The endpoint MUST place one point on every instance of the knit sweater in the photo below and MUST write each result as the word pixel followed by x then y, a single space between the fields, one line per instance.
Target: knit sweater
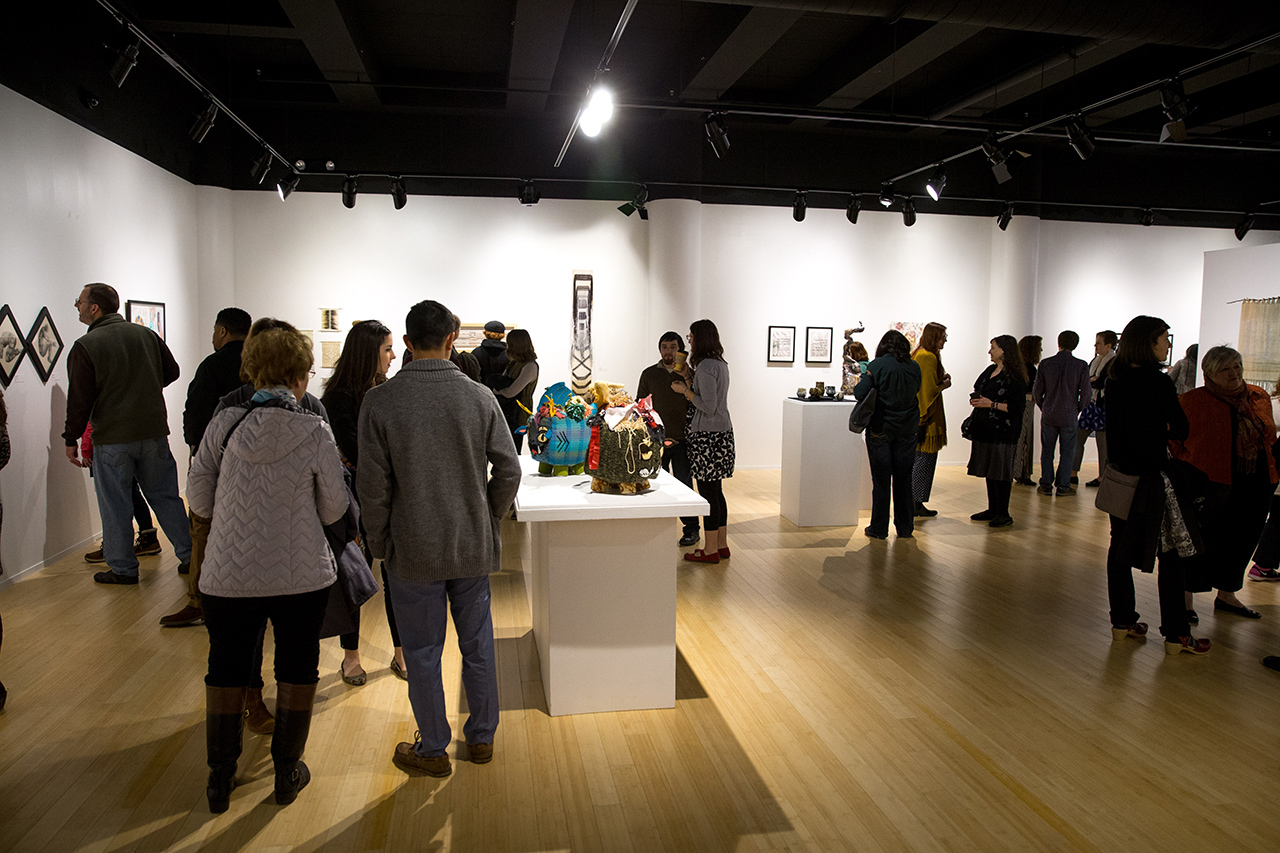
pixel 431 506
pixel 710 397
pixel 930 398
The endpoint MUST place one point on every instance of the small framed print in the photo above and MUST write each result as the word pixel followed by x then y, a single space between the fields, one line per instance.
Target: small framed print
pixel 149 314
pixel 817 344
pixel 12 346
pixel 782 344
pixel 44 344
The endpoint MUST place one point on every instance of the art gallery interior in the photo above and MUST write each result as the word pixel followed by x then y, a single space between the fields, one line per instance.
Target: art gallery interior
pixel 958 692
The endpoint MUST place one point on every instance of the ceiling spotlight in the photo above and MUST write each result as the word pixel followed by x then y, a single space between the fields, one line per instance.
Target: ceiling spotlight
pixel 261 166
pixel 529 194
pixel 1079 136
pixel 1148 217
pixel 204 123
pixel 1244 226
pixel 398 196
pixel 597 112
pixel 908 212
pixel 124 63
pixel 287 184
pixel 717 134
pixel 349 192
pixel 799 206
pixel 1005 217
pixel 1173 101
pixel 851 212
pixel 936 183
pixel 1001 166
pixel 637 204
pixel 886 195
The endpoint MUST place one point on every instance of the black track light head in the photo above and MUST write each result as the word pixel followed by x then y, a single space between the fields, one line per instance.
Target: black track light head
pixel 853 209
pixel 1148 217
pixel 124 63
pixel 799 206
pixel 1080 138
pixel 1001 164
pixel 908 212
pixel 886 195
pixel 287 184
pixel 1244 226
pixel 937 183
pixel 261 167
pixel 1005 217
pixel 349 192
pixel 398 195
pixel 529 194
pixel 717 134
pixel 1173 100
pixel 204 123
pixel 637 204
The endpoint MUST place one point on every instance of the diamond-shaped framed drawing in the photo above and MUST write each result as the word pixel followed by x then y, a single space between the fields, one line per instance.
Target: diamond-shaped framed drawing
pixel 12 346
pixel 44 344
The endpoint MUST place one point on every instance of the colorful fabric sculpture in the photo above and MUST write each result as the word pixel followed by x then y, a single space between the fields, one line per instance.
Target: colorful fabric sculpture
pixel 626 442
pixel 559 432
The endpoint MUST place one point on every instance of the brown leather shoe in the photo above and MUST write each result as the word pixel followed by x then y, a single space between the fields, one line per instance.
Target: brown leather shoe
pixel 186 616
pixel 406 758
pixel 256 716
pixel 480 753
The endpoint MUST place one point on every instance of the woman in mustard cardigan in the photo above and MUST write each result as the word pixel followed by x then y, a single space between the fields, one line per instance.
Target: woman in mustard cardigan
pixel 933 421
pixel 1230 443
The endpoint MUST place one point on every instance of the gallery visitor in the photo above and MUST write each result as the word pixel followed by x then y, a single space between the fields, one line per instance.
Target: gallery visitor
pixel 520 379
pixel 366 356
pixel 269 478
pixel 704 383
pixel 1183 372
pixel 1266 560
pixel 1094 417
pixel 1030 347
pixel 892 434
pixel 1061 389
pixel 655 382
pixel 998 397
pixel 491 355
pixel 934 379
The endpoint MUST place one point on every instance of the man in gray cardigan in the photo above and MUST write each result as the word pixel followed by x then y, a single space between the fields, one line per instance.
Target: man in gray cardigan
pixel 431 510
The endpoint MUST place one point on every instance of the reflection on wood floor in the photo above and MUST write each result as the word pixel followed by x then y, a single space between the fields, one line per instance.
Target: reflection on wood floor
pixel 958 691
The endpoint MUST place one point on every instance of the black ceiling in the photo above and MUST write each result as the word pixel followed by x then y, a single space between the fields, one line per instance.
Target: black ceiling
pixel 829 97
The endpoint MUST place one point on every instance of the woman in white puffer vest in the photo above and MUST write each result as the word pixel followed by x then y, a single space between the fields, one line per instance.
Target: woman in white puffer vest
pixel 269 478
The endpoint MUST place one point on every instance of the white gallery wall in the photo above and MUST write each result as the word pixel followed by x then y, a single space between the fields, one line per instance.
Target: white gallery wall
pixel 1251 272
pixel 79 209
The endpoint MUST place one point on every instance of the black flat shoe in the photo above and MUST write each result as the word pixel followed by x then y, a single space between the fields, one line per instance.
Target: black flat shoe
pixel 689 539
pixel 923 511
pixel 985 515
pixel 1025 481
pixel 1237 609
pixel 1272 662
pixel 1000 521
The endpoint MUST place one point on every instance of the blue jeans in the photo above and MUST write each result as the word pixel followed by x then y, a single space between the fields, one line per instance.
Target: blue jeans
pixel 420 615
pixel 115 467
pixel 891 459
pixel 1064 439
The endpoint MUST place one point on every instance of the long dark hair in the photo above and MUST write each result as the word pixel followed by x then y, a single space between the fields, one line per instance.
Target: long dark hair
pixel 704 342
pixel 1012 358
pixel 1138 343
pixel 931 341
pixel 894 343
pixel 356 370
pixel 1031 348
pixel 520 347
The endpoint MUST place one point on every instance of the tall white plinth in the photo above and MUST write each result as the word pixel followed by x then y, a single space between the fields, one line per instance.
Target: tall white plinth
pixel 826 480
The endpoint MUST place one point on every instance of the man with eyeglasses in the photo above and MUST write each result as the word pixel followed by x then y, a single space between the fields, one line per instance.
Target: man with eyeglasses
pixel 118 371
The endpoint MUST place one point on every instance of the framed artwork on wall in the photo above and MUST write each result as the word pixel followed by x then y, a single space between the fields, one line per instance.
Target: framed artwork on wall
pixel 817 344
pixel 44 344
pixel 149 314
pixel 12 346
pixel 782 344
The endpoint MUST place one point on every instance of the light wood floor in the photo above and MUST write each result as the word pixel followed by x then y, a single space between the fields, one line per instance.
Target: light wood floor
pixel 956 692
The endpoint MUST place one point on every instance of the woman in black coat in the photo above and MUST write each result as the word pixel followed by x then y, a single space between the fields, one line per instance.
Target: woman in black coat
pixel 998 398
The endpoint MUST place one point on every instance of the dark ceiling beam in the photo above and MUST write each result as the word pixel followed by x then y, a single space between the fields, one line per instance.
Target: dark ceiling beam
pixel 540 26
pixel 325 33
pixel 1199 83
pixel 758 31
pixel 1052 71
pixel 1235 122
pixel 237 30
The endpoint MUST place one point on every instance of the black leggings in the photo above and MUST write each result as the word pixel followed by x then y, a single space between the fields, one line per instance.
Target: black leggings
pixel 351 641
pixel 235 628
pixel 998 495
pixel 713 492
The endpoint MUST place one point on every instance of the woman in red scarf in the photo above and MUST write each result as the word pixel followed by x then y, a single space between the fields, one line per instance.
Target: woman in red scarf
pixel 1230 442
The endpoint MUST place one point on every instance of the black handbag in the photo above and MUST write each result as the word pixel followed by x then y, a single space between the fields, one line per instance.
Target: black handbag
pixel 860 417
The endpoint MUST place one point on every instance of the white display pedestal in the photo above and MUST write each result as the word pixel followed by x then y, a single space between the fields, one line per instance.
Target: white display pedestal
pixel 603 590
pixel 826 480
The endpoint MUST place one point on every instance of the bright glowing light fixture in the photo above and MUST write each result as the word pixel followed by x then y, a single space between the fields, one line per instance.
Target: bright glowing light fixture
pixel 597 113
pixel 886 195
pixel 936 183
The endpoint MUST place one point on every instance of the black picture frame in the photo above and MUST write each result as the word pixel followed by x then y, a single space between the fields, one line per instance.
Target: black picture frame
pixel 13 346
pixel 814 337
pixel 781 348
pixel 44 344
pixel 149 314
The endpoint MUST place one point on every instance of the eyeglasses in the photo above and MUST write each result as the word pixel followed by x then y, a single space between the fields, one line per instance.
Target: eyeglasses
pixel 312 372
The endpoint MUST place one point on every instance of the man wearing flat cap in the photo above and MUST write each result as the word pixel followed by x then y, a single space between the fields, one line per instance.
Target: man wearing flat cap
pixel 492 352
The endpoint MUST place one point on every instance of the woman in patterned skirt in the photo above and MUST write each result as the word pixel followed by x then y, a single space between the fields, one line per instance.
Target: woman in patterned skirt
pixel 709 434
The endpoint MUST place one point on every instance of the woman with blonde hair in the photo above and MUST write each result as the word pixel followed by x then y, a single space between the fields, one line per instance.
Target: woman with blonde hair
pixel 269 479
pixel 934 379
